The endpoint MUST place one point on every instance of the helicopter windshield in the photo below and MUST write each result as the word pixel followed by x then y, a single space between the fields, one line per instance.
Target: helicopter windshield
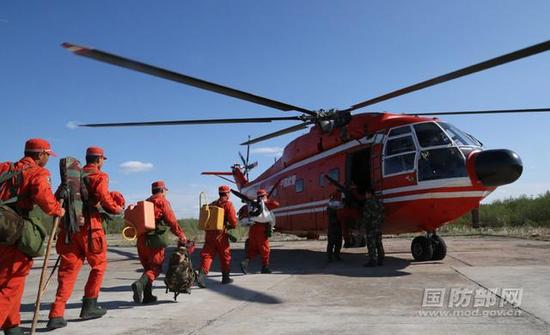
pixel 458 136
pixel 440 157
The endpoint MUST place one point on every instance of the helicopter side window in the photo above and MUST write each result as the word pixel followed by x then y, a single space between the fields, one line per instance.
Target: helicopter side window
pixel 441 163
pixel 322 180
pixel 430 135
pixel 299 185
pixel 399 145
pixel 400 163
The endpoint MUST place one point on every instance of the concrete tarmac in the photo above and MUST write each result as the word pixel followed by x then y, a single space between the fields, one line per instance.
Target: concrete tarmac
pixel 485 285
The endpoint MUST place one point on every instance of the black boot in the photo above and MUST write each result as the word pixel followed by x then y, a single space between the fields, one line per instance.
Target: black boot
pixel 57 322
pixel 225 278
pixel 266 269
pixel 138 286
pixel 244 265
pixel 14 331
pixel 148 296
pixel 201 279
pixel 90 309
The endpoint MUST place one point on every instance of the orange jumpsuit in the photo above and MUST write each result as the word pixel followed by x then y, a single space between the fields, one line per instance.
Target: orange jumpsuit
pixel 152 258
pixel 258 241
pixel 34 189
pixel 88 243
pixel 217 242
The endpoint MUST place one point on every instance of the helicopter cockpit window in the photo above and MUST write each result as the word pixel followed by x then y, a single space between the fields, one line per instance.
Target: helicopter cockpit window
pixel 458 136
pixel 441 163
pixel 430 135
pixel 400 131
pixel 399 163
pixel 399 145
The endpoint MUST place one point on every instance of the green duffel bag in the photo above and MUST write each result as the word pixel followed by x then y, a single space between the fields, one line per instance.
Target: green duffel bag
pixel 31 242
pixel 11 225
pixel 158 238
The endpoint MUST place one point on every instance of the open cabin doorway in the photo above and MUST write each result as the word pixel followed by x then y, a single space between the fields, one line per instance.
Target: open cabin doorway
pixel 358 170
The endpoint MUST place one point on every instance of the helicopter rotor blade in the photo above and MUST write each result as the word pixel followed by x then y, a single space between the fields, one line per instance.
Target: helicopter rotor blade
pixel 105 57
pixel 496 111
pixel 192 122
pixel 526 52
pixel 279 132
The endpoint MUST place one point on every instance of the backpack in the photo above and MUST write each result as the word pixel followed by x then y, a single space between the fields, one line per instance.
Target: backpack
pixel 11 223
pixel 27 234
pixel 74 193
pixel 180 276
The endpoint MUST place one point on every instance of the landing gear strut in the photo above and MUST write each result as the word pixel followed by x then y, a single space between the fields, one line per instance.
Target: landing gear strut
pixel 429 247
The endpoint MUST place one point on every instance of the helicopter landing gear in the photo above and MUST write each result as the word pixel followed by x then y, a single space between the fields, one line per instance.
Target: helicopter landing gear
pixel 429 247
pixel 440 248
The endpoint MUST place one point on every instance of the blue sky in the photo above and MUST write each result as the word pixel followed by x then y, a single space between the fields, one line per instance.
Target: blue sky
pixel 315 54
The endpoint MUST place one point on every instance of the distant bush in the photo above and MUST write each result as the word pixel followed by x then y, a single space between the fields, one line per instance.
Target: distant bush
pixel 513 212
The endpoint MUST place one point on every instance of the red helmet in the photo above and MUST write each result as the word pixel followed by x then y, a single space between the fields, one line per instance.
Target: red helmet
pixel 224 189
pixel 261 192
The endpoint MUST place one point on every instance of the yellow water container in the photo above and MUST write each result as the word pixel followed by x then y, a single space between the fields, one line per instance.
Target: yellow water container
pixel 210 217
pixel 139 219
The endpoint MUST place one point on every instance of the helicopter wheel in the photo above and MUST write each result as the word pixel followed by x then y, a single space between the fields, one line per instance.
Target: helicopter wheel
pixel 422 249
pixel 439 247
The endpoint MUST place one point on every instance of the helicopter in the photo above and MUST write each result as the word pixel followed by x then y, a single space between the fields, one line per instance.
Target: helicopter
pixel 426 171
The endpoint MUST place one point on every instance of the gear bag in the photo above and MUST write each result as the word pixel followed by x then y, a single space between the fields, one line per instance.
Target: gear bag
pixel 180 276
pixel 158 238
pixel 27 234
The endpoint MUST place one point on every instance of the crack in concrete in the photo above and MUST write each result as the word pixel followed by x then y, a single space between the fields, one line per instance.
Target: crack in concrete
pixel 532 315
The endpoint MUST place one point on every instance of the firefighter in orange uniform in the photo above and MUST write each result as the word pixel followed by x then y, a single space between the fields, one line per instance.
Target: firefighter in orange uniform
pixel 258 237
pixel 32 187
pixel 217 242
pixel 152 258
pixel 88 243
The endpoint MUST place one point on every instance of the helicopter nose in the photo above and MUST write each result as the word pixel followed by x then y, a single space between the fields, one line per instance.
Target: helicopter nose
pixel 497 167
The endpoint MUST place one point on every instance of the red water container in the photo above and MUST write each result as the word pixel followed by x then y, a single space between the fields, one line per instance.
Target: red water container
pixel 141 217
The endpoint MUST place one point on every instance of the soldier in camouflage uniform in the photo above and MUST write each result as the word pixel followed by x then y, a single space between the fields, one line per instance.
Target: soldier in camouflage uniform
pixel 373 218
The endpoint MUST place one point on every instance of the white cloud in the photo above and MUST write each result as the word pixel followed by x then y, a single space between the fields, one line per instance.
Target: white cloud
pixel 136 166
pixel 71 125
pixel 269 151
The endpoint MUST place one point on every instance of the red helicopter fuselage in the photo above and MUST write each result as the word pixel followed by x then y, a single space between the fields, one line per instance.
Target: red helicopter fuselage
pixel 426 172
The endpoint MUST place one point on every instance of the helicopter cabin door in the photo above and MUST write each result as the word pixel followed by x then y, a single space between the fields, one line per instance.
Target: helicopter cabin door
pixel 358 171
pixel 399 163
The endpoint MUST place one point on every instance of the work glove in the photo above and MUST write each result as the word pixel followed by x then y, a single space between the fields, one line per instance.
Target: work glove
pixel 231 237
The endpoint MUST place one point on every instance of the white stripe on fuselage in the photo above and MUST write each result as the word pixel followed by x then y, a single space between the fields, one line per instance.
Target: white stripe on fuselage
pixel 306 204
pixel 424 185
pixel 290 210
pixel 439 195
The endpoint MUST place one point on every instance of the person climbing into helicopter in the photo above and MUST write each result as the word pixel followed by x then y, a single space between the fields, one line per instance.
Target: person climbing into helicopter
pixel 258 236
pixel 152 256
pixel 372 220
pixel 350 216
pixel 216 242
